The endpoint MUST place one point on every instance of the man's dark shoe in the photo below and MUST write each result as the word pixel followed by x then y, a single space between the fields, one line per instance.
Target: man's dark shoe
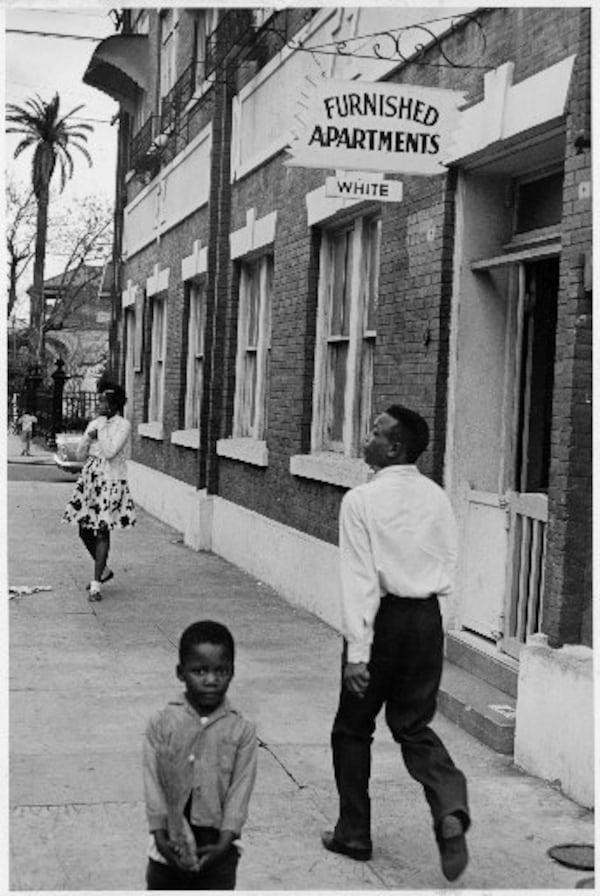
pixel 359 853
pixel 452 844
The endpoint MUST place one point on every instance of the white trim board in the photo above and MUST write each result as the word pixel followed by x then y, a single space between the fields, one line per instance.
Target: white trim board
pixel 509 109
pixel 256 234
pixel 196 263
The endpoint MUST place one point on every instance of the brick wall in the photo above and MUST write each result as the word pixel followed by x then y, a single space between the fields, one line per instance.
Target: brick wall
pixel 568 596
pixel 182 463
pixel 411 360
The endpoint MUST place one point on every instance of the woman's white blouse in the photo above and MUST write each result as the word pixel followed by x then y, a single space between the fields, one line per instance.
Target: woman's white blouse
pixel 113 443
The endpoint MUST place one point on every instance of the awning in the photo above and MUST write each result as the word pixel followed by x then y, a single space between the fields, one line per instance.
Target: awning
pixel 120 67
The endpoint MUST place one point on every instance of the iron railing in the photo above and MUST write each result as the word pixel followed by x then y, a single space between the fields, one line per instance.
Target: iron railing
pixel 78 408
pixel 233 32
pixel 141 143
pixel 178 97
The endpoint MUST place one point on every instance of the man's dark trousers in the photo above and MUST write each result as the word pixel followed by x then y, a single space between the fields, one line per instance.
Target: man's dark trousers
pixel 405 670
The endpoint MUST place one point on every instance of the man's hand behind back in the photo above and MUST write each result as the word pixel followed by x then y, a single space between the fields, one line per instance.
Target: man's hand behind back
pixel 356 678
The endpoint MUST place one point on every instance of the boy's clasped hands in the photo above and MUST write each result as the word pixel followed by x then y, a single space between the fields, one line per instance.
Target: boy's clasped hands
pixel 174 854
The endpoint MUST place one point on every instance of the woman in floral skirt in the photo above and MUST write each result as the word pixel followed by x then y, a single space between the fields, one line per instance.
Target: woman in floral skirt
pixel 101 500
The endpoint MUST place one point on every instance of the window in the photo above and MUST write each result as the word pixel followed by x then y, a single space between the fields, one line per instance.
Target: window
pixel 157 367
pixel 195 355
pixel 204 25
pixel 141 22
pixel 129 359
pixel 254 336
pixel 169 21
pixel 261 15
pixel 539 202
pixel 348 290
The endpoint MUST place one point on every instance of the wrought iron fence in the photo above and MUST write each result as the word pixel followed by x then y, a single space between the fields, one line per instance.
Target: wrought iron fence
pixel 78 408
pixel 43 412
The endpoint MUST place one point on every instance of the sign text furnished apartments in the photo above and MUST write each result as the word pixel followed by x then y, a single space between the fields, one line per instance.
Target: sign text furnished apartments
pixel 384 127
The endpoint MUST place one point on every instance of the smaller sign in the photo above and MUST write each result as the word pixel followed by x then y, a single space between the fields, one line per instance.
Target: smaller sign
pixel 363 187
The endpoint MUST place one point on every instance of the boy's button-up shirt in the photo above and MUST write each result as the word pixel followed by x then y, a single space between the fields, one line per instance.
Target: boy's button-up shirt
pixel 224 747
pixel 397 536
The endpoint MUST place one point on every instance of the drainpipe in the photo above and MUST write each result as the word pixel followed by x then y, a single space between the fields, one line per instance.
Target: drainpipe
pixel 115 340
pixel 217 292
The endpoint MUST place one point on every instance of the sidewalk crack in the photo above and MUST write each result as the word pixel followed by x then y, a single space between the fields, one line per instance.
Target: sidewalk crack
pixel 265 746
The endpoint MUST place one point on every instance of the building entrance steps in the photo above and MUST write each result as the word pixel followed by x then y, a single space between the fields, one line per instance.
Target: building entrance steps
pixel 478 691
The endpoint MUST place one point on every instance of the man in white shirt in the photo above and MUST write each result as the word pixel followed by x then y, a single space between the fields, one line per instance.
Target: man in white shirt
pixel 397 554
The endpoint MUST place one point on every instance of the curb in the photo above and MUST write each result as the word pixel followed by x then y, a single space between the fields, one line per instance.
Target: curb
pixel 33 461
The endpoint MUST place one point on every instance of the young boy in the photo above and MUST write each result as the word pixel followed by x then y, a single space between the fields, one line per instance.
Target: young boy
pixel 26 422
pixel 200 759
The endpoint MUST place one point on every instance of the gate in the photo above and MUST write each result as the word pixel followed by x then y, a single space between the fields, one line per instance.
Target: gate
pixel 55 411
pixel 78 408
pixel 528 514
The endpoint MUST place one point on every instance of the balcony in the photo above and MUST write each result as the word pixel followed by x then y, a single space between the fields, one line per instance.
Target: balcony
pixel 236 27
pixel 143 153
pixel 178 97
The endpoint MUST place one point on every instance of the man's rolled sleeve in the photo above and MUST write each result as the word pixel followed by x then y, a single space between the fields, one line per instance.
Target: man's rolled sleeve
pixel 360 589
pixel 235 810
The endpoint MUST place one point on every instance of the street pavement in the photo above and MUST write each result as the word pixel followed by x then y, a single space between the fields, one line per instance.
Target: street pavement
pixel 84 678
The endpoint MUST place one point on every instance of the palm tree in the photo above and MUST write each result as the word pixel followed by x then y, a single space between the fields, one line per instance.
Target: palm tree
pixel 52 138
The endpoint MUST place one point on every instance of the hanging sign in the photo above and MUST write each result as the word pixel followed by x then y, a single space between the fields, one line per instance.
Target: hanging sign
pixel 357 125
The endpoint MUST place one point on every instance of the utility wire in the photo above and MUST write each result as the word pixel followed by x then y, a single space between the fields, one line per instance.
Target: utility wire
pixel 63 12
pixel 53 34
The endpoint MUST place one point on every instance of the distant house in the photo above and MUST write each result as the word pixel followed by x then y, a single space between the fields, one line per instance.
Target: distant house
pixel 77 322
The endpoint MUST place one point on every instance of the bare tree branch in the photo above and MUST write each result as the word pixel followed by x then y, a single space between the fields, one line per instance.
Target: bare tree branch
pixel 20 235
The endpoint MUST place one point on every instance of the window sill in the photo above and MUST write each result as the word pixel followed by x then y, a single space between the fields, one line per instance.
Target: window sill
pixel 249 451
pixel 327 466
pixel 186 438
pixel 154 430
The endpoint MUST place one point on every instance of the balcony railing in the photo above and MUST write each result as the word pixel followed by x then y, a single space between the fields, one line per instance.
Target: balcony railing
pixel 141 143
pixel 178 97
pixel 232 33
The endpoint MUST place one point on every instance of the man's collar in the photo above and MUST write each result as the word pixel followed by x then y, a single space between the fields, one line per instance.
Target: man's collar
pixel 396 468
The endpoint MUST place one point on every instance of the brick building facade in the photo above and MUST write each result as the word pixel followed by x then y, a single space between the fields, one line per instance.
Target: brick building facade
pixel 262 322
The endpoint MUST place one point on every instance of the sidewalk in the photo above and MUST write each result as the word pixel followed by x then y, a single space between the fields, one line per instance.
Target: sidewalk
pixel 14 447
pixel 85 677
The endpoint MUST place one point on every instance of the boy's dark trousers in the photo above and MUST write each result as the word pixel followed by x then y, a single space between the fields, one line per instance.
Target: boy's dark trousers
pixel 405 670
pixel 219 876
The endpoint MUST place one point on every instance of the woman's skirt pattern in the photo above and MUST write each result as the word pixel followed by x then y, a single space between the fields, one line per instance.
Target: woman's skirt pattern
pixel 99 501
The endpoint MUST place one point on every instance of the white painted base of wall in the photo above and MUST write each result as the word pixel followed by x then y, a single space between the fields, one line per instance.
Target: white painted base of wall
pixel 554 734
pixel 176 503
pixel 303 569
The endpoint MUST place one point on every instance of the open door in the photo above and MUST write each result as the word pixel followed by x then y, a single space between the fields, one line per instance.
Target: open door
pixel 527 501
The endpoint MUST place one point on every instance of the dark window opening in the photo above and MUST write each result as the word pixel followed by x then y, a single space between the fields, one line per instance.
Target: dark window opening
pixel 539 203
pixel 537 376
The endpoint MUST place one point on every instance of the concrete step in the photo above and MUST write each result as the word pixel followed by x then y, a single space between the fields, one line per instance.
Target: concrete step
pixel 475 655
pixel 478 707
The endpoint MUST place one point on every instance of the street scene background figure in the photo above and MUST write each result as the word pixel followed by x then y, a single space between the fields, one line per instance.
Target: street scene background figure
pixel 25 424
pixel 101 500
